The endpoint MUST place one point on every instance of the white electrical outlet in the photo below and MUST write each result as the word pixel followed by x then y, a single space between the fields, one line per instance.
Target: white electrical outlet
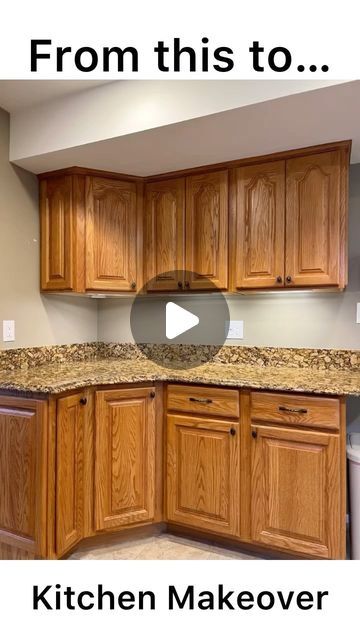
pixel 8 330
pixel 358 313
pixel 235 330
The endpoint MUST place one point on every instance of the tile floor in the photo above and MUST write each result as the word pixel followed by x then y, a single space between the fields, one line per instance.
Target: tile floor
pixel 160 547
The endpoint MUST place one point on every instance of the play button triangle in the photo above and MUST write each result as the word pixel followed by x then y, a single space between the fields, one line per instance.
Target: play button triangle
pixel 178 320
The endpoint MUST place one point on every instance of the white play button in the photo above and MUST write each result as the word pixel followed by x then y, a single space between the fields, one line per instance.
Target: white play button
pixel 178 320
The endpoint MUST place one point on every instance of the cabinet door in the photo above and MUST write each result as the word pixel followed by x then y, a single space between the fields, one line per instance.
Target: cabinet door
pixel 164 235
pixel 203 473
pixel 57 242
pixel 259 231
pixel 207 230
pixel 124 457
pixel 296 491
pixel 23 477
pixel 70 463
pixel 315 220
pixel 111 235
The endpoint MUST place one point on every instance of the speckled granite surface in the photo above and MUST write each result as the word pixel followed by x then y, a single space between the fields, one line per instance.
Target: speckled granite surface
pixel 59 377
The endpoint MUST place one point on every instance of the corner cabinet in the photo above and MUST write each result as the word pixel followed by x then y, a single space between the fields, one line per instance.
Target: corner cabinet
pixel 91 232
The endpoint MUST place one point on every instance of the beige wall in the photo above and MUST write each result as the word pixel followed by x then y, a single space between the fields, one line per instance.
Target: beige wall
pixel 40 320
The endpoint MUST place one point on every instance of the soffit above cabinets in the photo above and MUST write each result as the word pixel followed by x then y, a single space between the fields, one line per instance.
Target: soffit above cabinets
pixel 167 126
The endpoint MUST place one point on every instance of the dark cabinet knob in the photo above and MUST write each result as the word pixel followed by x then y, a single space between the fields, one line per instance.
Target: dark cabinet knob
pixel 83 401
pixel 180 284
pixel 232 431
pixel 152 394
pixel 288 278
pixel 254 434
pixel 187 284
pixel 279 279
pixel 133 285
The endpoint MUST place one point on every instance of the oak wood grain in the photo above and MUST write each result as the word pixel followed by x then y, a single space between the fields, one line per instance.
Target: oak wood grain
pixel 164 236
pixel 124 457
pixel 212 401
pixel 203 473
pixel 296 409
pixel 296 491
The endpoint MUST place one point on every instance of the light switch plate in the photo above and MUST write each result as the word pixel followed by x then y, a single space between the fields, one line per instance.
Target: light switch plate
pixel 8 330
pixel 358 313
pixel 235 330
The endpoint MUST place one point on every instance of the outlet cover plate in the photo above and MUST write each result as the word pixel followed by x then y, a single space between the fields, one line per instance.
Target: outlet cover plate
pixel 235 330
pixel 8 330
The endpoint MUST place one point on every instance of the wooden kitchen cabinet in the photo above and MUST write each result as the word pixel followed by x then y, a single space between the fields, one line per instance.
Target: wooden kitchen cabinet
pixel 289 221
pixel 23 478
pixel 125 453
pixel 164 235
pixel 207 231
pixel 316 220
pixel 73 440
pixel 259 232
pixel 91 232
pixel 111 239
pixel 296 502
pixel 203 473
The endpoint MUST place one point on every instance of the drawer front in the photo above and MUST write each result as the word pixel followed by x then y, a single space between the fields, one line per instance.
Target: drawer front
pixel 286 408
pixel 205 400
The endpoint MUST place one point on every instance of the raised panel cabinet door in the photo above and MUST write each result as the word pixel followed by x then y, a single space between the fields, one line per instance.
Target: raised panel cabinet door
pixel 124 457
pixel 259 234
pixel 164 240
pixel 295 502
pixel 70 467
pixel 207 231
pixel 315 220
pixel 111 234
pixel 23 476
pixel 203 473
pixel 56 219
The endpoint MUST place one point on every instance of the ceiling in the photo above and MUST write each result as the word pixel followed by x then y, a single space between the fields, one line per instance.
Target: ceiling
pixel 21 94
pixel 315 117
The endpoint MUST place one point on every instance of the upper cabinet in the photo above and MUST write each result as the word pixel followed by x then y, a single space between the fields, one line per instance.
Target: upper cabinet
pixel 290 220
pixel 91 231
pixel 315 221
pixel 274 222
pixel 164 235
pixel 186 233
pixel 111 235
pixel 259 226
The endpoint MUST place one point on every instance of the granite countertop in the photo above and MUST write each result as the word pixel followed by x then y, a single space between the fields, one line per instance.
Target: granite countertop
pixel 54 378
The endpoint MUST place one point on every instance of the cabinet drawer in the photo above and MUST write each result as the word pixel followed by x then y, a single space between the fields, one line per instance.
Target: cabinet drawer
pixel 286 408
pixel 205 400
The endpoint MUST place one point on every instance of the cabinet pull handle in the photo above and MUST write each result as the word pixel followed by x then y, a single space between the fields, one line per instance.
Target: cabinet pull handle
pixel 279 279
pixel 133 285
pixel 292 410
pixel 288 278
pixel 83 401
pixel 254 434
pixel 201 400
pixel 187 284
pixel 232 431
pixel 152 394
pixel 180 284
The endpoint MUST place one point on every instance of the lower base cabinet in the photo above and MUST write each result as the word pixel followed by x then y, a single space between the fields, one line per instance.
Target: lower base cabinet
pixel 23 478
pixel 261 468
pixel 295 501
pixel 124 457
pixel 203 473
